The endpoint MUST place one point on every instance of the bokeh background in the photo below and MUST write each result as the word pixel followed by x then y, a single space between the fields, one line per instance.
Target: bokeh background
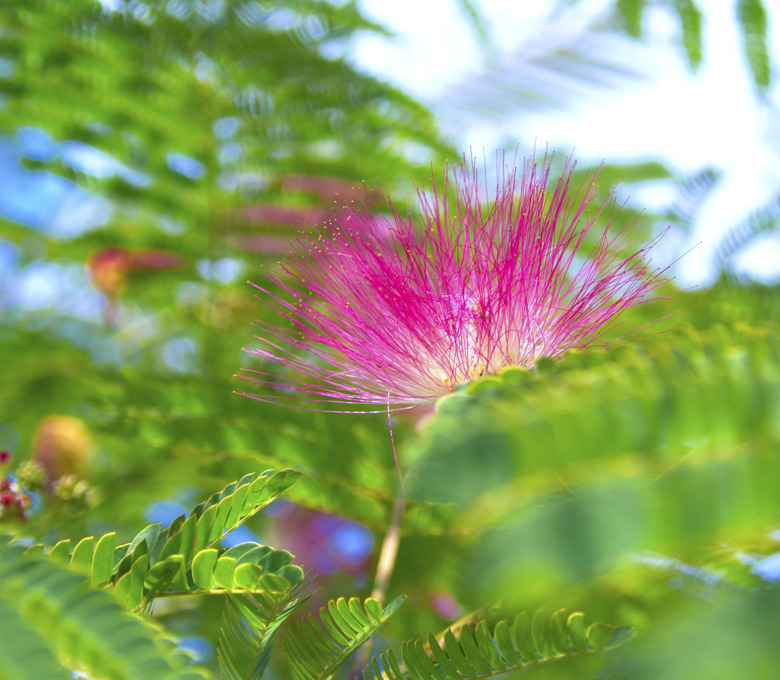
pixel 154 156
pixel 680 83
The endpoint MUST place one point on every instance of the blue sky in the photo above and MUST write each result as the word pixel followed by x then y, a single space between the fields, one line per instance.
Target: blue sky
pixel 689 121
pixel 655 110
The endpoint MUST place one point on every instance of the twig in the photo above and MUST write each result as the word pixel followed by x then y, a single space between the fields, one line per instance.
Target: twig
pixel 387 555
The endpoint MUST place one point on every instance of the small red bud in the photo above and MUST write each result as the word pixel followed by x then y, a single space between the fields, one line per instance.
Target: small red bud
pixel 5 456
pixel 6 498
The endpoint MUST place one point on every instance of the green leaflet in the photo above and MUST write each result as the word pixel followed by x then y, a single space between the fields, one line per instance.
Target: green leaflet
pixel 690 23
pixel 752 18
pixel 315 649
pixel 48 611
pixel 476 653
pixel 183 559
pixel 631 12
pixel 478 24
pixel 249 633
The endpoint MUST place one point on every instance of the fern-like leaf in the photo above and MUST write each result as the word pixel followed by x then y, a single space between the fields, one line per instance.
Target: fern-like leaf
pixel 54 613
pixel 247 638
pixel 513 645
pixel 25 652
pixel 761 221
pixel 315 649
pixel 183 558
pixel 690 191
pixel 652 398
pixel 670 443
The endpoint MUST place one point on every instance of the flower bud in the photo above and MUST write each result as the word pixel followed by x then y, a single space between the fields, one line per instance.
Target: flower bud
pixel 30 475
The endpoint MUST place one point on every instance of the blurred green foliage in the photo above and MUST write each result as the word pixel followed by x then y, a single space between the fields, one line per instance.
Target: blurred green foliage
pixel 639 484
pixel 749 14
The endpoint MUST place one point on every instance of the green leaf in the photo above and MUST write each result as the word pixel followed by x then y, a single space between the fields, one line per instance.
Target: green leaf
pixel 522 638
pixel 662 445
pixel 315 649
pixel 249 633
pixel 138 572
pixel 470 650
pixel 165 574
pixel 179 581
pixel 223 572
pixel 146 543
pixel 752 19
pixel 60 553
pixel 456 656
pixel 204 528
pixel 203 568
pixel 478 654
pixel 188 533
pixel 26 654
pixel 540 632
pixel 52 612
pixel 576 628
pixel 441 658
pixel 239 499
pixel 185 553
pixel 246 576
pixel 102 566
pixel 81 559
pixel 559 635
pixel 418 662
pixel 631 14
pixel 172 544
pixel 602 637
pixel 503 638
pixel 690 21
pixel 227 510
pixel 487 646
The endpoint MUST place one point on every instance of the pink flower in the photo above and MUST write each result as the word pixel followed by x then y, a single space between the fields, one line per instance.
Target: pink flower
pixel 478 286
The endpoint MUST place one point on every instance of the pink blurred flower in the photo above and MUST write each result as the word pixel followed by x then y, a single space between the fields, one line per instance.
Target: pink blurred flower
pixel 109 268
pixel 484 283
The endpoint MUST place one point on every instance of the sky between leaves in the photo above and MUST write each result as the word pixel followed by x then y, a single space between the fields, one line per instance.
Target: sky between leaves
pixel 690 121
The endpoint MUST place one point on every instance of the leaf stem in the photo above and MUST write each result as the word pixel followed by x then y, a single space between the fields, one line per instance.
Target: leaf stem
pixel 389 551
pixel 387 555
pixel 384 569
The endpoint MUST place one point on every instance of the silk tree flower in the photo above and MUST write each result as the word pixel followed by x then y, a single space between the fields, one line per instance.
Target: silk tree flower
pixel 388 312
